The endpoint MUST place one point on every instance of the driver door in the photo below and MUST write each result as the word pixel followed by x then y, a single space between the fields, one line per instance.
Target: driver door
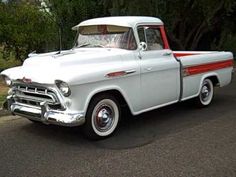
pixel 160 78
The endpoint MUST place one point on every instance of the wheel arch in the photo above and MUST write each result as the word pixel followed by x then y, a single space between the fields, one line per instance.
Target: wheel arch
pixel 213 77
pixel 114 91
pixel 215 80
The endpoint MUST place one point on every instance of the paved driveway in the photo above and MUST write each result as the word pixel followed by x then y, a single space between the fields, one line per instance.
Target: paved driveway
pixel 178 140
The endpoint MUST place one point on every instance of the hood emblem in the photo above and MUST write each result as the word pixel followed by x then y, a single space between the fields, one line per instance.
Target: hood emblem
pixel 26 80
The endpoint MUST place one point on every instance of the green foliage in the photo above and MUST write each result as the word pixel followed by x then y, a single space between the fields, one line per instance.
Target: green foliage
pixel 24 28
pixel 2 99
pixel 190 24
pixel 3 92
pixel 69 13
pixel 9 61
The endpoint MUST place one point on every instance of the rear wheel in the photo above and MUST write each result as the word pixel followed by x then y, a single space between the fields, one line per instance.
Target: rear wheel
pixel 102 117
pixel 206 93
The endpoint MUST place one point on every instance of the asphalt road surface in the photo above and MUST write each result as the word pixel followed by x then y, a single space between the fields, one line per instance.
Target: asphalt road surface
pixel 178 140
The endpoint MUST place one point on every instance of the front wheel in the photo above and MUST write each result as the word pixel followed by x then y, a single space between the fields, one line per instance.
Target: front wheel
pixel 206 93
pixel 102 117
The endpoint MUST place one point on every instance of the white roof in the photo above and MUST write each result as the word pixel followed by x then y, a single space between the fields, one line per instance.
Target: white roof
pixel 128 21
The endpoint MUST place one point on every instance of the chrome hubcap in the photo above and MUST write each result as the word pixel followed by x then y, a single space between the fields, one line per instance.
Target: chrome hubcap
pixel 104 118
pixel 205 93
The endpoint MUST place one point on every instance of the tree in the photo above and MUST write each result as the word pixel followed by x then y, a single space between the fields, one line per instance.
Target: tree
pixel 69 13
pixel 191 24
pixel 24 28
pixel 194 25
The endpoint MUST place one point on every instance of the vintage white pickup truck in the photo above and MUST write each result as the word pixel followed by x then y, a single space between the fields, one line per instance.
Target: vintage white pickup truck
pixel 115 61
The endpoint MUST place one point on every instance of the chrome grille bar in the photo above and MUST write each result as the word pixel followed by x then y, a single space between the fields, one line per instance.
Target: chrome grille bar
pixel 34 95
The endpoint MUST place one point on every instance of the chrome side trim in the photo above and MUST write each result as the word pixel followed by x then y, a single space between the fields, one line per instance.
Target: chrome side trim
pixel 130 71
pixel 119 73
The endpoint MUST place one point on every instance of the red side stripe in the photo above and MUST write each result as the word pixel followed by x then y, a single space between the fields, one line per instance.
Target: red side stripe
pixel 185 54
pixel 116 74
pixel 192 70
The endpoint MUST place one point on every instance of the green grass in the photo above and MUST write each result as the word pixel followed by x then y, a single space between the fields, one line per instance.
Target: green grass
pixel 8 63
pixel 3 92
pixel 4 64
pixel 2 100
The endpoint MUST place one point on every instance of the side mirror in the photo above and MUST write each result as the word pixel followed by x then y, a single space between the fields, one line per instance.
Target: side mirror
pixel 143 46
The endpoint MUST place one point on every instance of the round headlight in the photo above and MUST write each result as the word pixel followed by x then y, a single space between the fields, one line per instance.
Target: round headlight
pixel 7 80
pixel 63 87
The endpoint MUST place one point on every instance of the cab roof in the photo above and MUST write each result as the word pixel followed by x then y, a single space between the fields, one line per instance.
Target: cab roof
pixel 127 21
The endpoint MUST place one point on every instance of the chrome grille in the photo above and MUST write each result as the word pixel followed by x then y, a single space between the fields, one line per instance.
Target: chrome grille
pixel 34 95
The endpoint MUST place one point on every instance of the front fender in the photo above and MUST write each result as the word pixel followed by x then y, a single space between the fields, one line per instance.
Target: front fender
pixel 107 89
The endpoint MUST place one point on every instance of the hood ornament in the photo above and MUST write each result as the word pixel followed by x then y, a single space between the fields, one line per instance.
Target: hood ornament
pixel 26 80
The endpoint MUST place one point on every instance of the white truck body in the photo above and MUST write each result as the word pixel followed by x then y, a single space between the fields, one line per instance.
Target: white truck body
pixel 145 79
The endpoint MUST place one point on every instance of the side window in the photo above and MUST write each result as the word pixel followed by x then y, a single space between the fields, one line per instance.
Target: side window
pixel 152 36
pixel 141 34
pixel 154 40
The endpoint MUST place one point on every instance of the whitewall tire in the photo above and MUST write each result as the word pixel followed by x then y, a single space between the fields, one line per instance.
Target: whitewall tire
pixel 206 93
pixel 102 117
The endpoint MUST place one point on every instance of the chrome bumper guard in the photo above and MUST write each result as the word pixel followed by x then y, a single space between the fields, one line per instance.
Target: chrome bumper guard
pixel 45 115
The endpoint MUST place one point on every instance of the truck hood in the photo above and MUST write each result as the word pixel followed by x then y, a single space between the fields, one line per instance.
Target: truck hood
pixel 66 66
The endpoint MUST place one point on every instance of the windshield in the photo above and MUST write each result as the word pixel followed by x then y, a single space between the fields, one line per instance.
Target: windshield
pixel 107 36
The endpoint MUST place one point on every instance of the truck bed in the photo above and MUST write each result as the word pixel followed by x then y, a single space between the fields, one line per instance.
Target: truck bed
pixel 204 61
pixel 197 65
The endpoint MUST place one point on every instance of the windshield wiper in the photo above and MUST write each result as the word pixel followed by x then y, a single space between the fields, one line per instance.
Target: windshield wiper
pixel 98 45
pixel 92 45
pixel 84 45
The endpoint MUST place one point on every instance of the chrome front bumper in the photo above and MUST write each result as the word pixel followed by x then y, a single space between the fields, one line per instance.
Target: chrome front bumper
pixel 45 115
